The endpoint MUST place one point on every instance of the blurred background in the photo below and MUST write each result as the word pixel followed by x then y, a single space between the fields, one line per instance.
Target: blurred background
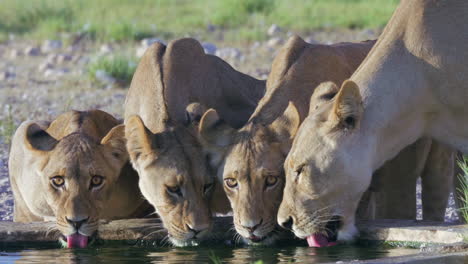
pixel 58 55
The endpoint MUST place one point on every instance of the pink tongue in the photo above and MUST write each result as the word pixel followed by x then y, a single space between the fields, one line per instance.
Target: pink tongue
pixel 319 240
pixel 77 241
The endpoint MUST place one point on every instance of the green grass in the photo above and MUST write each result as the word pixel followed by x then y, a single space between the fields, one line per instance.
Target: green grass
pixel 123 20
pixel 7 127
pixel 463 190
pixel 120 67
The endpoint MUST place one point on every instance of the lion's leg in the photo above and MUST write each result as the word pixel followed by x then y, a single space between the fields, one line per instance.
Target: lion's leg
pixel 396 195
pixel 21 212
pixel 437 181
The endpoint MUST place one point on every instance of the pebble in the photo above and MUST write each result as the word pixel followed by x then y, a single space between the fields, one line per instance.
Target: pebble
pixel 105 49
pixel 273 30
pixel 104 77
pixel 310 40
pixel 228 53
pixel 32 51
pixel 51 45
pixel 255 45
pixel 140 51
pixel 210 28
pixel 149 41
pixel 61 58
pixel 14 53
pixel 55 72
pixel 209 48
pixel 45 66
pixel 275 41
pixel 145 43
pixel 6 75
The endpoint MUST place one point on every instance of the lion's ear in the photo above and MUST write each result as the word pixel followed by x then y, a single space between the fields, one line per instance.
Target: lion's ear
pixel 285 126
pixel 347 108
pixel 323 93
pixel 116 140
pixel 214 131
pixel 215 136
pixel 194 113
pixel 36 138
pixel 138 138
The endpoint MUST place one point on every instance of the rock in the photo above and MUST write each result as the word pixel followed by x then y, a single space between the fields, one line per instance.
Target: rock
pixel 104 77
pixel 6 75
pixel 310 40
pixel 275 41
pixel 145 43
pixel 52 58
pixel 55 72
pixel 72 48
pixel 45 66
pixel 140 51
pixel 32 51
pixel 105 49
pixel 51 45
pixel 149 41
pixel 210 28
pixel 255 45
pixel 228 53
pixel 209 48
pixel 273 30
pixel 14 54
pixel 61 58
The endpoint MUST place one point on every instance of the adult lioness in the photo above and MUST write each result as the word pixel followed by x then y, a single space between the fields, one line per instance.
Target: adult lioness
pixel 162 143
pixel 250 159
pixel 412 84
pixel 75 171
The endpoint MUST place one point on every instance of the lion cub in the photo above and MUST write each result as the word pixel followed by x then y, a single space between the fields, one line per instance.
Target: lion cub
pixel 74 170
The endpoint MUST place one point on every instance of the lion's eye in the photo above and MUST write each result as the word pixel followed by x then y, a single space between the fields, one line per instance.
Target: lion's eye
pixel 57 181
pixel 207 188
pixel 96 181
pixel 231 182
pixel 271 180
pixel 174 190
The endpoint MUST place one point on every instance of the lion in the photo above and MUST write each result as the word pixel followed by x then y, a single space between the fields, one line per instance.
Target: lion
pixel 75 171
pixel 250 159
pixel 162 138
pixel 412 84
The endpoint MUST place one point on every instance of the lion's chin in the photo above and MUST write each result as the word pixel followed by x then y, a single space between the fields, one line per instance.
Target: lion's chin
pixel 266 240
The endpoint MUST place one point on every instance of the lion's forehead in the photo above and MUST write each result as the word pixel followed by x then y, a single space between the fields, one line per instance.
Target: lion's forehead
pixel 253 157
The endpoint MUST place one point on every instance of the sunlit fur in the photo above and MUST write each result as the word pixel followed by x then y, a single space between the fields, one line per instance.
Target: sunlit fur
pixel 412 84
pixel 75 146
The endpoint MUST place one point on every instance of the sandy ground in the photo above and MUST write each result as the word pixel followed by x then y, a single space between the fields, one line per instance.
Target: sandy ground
pixel 41 85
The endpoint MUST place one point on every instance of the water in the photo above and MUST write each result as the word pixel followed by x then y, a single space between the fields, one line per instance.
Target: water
pixel 49 253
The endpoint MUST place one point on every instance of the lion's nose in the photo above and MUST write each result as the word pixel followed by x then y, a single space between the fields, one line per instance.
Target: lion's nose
pixel 252 228
pixel 77 223
pixel 287 224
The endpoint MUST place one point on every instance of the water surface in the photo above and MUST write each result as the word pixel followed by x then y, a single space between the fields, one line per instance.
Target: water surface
pixel 49 253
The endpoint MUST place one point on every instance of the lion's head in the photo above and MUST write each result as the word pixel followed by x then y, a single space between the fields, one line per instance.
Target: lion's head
pixel 73 170
pixel 250 162
pixel 319 201
pixel 175 179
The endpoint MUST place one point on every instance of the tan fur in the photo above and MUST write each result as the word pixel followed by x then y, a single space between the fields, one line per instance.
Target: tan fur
pixel 412 84
pixel 258 149
pixel 163 142
pixel 77 146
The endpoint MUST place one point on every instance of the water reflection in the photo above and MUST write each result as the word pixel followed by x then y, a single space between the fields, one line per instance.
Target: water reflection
pixel 206 254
